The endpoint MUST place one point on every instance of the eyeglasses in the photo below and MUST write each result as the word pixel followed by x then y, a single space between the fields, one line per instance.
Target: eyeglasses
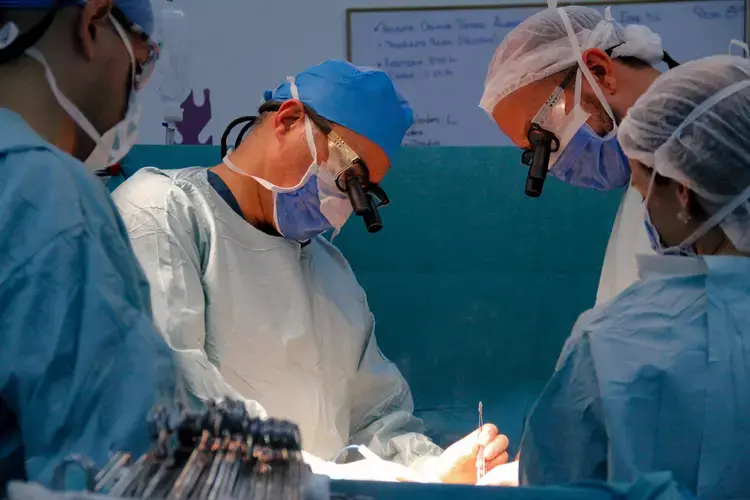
pixel 527 155
pixel 354 168
pixel 143 69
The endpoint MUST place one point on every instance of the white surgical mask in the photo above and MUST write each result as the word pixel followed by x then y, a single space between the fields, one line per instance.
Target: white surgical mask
pixel 115 143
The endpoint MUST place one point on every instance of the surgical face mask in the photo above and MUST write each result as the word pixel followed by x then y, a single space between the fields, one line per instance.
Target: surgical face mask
pixel 579 156
pixel 583 158
pixel 590 161
pixel 313 206
pixel 115 143
pixel 687 247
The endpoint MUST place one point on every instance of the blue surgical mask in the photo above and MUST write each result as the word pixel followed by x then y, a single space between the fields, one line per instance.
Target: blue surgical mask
pixel 312 207
pixel 583 158
pixel 299 214
pixel 657 244
pixel 593 162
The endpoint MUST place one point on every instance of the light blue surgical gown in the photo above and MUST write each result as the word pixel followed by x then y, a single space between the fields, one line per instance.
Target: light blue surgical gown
pixel 80 361
pixel 657 379
pixel 267 320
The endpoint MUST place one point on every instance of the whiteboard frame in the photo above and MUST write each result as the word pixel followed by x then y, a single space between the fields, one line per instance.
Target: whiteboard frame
pixel 596 3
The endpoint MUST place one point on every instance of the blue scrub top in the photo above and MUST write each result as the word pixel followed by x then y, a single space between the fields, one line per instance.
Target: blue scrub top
pixel 81 363
pixel 658 379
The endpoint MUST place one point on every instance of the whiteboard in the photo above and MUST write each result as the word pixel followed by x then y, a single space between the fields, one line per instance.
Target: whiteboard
pixel 438 57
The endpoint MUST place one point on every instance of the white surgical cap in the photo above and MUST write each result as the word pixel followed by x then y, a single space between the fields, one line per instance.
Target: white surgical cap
pixel 540 47
pixel 692 126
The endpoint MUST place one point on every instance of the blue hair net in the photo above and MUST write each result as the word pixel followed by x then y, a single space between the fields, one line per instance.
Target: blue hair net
pixel 138 11
pixel 361 99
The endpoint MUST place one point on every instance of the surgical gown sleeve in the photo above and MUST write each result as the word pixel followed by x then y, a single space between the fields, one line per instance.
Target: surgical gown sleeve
pixel 382 411
pixel 81 364
pixel 169 240
pixel 565 438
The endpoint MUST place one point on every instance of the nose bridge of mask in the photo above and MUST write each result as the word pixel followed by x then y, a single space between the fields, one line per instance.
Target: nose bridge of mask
pixel 583 68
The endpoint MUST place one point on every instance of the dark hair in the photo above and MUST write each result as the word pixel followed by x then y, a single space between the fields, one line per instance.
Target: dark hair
pixel 633 62
pixel 251 122
pixel 637 63
pixel 273 106
pixel 694 207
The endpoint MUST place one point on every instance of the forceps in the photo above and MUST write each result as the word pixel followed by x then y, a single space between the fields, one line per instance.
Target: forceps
pixel 481 461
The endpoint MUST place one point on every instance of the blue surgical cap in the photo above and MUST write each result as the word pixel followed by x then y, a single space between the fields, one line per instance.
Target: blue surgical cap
pixel 138 11
pixel 361 99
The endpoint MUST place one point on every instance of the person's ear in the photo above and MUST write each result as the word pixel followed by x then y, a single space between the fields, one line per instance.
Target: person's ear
pixel 600 65
pixel 291 113
pixel 687 201
pixel 683 195
pixel 90 21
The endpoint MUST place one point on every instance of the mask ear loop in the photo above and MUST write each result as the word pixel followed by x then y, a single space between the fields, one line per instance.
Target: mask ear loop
pixel 65 103
pixel 712 221
pixel 128 47
pixel 650 188
pixel 308 124
pixel 310 144
pixel 586 72
pixel 578 87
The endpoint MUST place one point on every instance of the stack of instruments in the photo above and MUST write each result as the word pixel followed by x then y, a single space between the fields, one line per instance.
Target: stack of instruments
pixel 218 453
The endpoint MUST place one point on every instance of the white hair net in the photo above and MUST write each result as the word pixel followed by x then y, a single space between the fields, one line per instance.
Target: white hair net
pixel 540 47
pixel 692 126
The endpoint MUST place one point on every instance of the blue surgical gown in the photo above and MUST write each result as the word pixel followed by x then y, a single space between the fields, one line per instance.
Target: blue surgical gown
pixel 657 379
pixel 80 361
pixel 267 320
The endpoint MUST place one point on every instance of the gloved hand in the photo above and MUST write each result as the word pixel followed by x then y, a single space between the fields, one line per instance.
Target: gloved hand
pixel 458 463
pixel 504 475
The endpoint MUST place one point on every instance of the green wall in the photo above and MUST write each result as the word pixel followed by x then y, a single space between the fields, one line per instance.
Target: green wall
pixel 474 285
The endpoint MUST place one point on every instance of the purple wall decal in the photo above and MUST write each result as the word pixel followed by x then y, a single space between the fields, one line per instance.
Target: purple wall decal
pixel 194 119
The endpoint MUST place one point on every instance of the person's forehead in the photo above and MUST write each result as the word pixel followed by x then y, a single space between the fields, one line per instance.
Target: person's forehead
pixel 514 112
pixel 641 176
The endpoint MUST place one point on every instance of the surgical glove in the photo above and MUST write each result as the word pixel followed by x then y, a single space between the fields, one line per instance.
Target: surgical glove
pixel 458 463
pixel 503 475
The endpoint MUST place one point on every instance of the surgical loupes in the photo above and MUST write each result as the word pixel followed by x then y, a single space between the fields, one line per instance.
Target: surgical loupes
pixel 543 144
pixel 363 202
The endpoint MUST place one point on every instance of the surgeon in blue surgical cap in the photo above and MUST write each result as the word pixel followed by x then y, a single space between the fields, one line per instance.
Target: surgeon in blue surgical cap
pixel 257 304
pixel 81 363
